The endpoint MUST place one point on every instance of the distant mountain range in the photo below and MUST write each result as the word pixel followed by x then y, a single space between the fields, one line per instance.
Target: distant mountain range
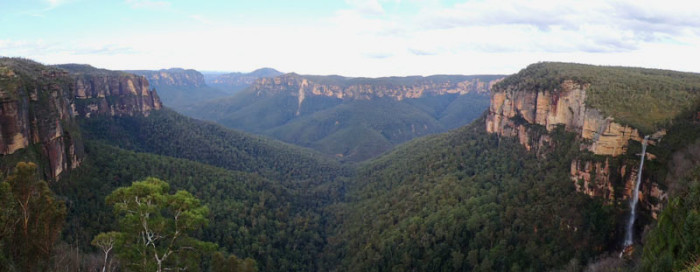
pixel 234 82
pixel 539 181
pixel 181 87
pixel 351 118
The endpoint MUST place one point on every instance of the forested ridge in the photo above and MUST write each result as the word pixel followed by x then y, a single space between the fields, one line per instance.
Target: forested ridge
pixel 464 200
pixel 168 133
pixel 251 216
pixel 646 99
pixel 351 129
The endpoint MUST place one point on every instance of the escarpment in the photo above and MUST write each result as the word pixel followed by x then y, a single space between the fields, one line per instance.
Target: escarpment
pixel 242 80
pixel 369 88
pixel 102 92
pixel 40 105
pixel 172 77
pixel 582 99
pixel 565 106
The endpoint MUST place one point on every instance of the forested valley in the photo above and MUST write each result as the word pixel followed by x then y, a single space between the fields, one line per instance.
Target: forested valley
pixel 140 187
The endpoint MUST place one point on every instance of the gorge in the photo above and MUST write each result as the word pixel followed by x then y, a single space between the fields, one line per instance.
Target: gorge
pixel 545 178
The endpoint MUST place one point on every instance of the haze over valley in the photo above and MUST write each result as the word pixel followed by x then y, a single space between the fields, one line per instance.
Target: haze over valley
pixel 358 135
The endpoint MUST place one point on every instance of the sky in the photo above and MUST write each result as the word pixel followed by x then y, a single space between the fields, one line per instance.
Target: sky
pixel 368 38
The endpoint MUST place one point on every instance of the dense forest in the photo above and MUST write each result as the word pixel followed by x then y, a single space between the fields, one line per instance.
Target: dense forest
pixel 464 200
pixel 351 129
pixel 467 201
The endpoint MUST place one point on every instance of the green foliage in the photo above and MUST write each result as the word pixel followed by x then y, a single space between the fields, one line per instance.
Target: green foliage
pixel 646 99
pixel 180 97
pixel 88 70
pixel 232 264
pixel 358 130
pixel 466 201
pixel 167 133
pixel 106 241
pixel 155 226
pixel 31 222
pixel 273 221
pixel 396 81
pixel 674 244
pixel 324 123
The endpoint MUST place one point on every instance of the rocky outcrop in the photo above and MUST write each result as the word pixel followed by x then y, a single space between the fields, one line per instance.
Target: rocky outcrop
pixel 172 77
pixel 511 108
pixel 598 179
pixel 593 178
pixel 242 80
pixel 36 109
pixel 369 88
pixel 39 106
pixel 116 94
pixel 518 112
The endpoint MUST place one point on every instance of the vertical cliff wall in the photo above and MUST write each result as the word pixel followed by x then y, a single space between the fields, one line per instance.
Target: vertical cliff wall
pixel 36 110
pixel 39 105
pixel 114 95
pixel 565 106
pixel 397 88
pixel 516 111
pixel 172 77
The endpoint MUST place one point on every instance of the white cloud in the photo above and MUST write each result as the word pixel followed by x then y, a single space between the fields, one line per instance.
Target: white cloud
pixel 489 36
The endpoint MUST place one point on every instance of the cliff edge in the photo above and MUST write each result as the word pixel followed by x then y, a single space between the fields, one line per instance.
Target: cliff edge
pixel 607 108
pixel 39 106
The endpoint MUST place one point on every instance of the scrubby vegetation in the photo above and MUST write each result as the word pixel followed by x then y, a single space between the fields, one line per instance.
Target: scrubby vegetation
pixel 674 244
pixel 646 99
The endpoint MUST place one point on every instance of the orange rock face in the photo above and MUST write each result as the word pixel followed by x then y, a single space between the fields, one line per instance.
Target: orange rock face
pixel 562 107
pixel 57 98
pixel 512 110
pixel 361 91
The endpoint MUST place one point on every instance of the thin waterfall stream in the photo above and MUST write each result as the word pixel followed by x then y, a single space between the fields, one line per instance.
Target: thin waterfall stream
pixel 635 198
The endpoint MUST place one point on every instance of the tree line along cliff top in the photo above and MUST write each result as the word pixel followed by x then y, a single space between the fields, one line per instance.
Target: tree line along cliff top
pixel 13 70
pixel 395 81
pixel 646 99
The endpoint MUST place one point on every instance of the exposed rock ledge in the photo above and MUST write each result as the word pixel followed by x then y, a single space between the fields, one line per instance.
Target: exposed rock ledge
pixel 551 108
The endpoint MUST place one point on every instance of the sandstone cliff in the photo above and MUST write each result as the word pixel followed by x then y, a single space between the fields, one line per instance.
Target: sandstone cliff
pixel 519 106
pixel 103 92
pixel 564 106
pixel 596 178
pixel 36 110
pixel 39 106
pixel 242 80
pixel 172 77
pixel 397 88
pixel 367 88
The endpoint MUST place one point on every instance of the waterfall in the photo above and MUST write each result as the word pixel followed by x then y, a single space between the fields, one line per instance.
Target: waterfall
pixel 635 197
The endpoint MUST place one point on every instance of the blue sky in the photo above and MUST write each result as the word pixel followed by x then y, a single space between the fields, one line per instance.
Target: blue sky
pixel 353 37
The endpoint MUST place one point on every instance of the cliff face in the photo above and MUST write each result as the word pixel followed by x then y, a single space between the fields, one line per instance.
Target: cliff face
pixel 514 110
pixel 39 106
pixel 598 178
pixel 36 109
pixel 114 95
pixel 550 108
pixel 242 80
pixel 367 89
pixel 172 77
